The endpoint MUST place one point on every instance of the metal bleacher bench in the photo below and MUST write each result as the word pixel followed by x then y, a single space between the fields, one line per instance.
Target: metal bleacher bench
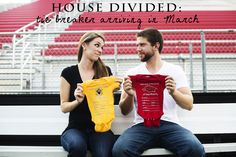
pixel 216 118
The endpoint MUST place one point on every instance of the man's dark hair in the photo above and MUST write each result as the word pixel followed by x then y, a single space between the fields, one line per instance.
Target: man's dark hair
pixel 153 36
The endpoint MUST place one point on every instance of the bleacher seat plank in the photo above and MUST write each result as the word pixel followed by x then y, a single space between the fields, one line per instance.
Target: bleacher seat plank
pixel 40 119
pixel 9 61
pixel 58 151
pixel 209 119
pixel 16 71
pixel 32 151
pixel 12 82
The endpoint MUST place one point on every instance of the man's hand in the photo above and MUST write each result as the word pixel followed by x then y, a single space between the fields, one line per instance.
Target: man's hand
pixel 170 85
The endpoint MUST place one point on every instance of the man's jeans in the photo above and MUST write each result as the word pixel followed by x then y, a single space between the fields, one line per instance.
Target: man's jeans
pixel 135 140
pixel 77 142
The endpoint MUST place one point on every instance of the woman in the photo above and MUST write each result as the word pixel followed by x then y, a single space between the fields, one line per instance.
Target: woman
pixel 80 136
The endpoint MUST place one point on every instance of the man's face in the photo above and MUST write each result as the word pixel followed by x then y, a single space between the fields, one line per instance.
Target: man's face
pixel 144 49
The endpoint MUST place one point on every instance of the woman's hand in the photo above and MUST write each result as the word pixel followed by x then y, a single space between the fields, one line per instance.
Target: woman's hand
pixel 78 93
pixel 127 86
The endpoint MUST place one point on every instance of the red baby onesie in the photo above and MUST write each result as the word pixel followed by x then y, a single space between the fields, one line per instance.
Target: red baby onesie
pixel 149 91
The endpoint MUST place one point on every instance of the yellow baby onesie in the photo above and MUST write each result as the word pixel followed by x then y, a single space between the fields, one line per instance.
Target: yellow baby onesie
pixel 99 93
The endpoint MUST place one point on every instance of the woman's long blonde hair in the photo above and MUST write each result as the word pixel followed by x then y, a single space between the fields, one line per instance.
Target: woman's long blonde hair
pixel 99 67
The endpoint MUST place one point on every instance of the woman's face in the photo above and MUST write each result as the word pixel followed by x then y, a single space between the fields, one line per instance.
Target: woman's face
pixel 93 49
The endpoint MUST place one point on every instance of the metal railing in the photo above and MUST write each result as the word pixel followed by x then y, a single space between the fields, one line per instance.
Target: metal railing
pixel 189 57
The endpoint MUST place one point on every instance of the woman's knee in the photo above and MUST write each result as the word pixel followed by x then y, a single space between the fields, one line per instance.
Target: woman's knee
pixel 74 143
pixel 77 146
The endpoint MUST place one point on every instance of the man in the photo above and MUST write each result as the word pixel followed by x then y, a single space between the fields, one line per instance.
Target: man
pixel 169 134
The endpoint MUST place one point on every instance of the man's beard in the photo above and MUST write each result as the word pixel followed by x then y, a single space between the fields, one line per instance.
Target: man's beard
pixel 147 57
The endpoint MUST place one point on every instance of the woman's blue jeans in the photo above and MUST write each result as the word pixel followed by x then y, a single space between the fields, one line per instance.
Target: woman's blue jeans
pixel 135 140
pixel 77 142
